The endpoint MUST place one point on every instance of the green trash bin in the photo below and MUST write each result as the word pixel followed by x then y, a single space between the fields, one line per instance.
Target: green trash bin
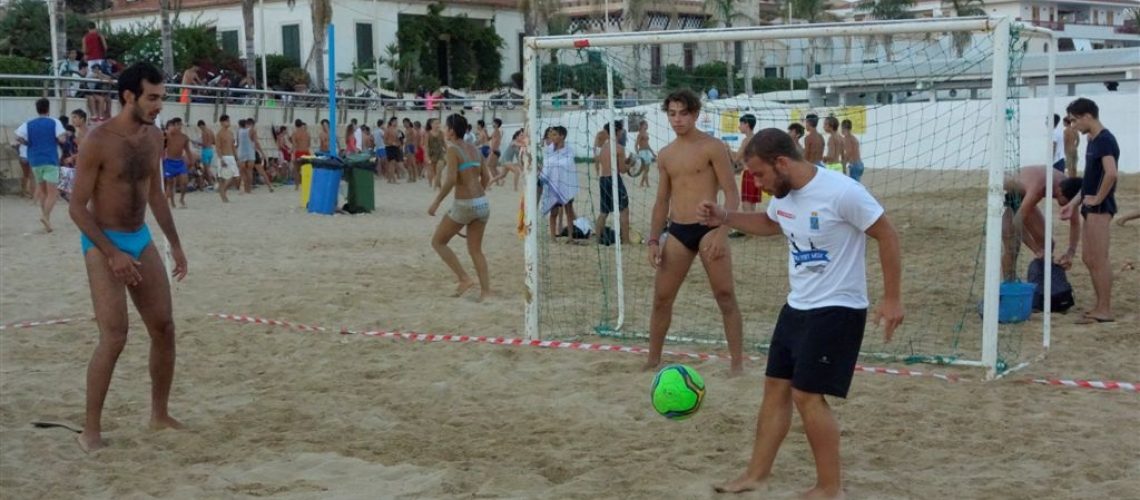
pixel 361 174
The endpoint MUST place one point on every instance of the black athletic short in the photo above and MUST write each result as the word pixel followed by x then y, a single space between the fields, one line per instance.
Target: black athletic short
pixel 606 194
pixel 817 349
pixel 393 153
pixel 1108 206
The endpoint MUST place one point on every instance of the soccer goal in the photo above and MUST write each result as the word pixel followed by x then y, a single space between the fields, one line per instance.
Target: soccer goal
pixel 935 104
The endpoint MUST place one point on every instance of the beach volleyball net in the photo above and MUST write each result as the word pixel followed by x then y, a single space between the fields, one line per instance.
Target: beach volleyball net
pixel 933 103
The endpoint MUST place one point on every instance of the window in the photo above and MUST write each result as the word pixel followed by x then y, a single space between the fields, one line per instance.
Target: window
pixel 1036 13
pixel 771 72
pixel 229 42
pixel 689 49
pixel 522 37
pixel 818 69
pixel 365 56
pixel 655 64
pixel 291 42
pixel 1111 17
pixel 738 55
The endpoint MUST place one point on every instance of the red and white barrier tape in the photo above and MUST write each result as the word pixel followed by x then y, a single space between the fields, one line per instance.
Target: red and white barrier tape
pixel 263 321
pixel 557 344
pixel 32 324
pixel 1107 385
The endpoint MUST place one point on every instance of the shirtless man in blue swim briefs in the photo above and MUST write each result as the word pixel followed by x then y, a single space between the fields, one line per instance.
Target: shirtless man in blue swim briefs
pixel 174 161
pixel 692 168
pixel 117 176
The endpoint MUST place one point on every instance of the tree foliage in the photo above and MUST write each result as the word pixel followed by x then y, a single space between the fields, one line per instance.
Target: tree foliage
pixel 712 74
pixel 193 43
pixel 586 78
pixel 25 29
pixel 473 49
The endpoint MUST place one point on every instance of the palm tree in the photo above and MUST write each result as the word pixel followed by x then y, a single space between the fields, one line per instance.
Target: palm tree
pixel 536 13
pixel 964 8
pixel 401 66
pixel 167 38
pixel 247 19
pixel 634 20
pixel 726 12
pixel 322 15
pixel 812 11
pixel 886 10
pixel 61 28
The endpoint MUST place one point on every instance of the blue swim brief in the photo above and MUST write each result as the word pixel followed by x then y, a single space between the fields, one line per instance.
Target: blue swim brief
pixel 208 156
pixel 173 167
pixel 132 243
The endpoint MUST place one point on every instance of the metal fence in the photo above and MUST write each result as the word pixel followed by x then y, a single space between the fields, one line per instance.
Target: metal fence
pixel 373 99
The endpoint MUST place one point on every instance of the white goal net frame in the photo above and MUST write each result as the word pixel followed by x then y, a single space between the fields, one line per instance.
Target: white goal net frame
pixel 997 162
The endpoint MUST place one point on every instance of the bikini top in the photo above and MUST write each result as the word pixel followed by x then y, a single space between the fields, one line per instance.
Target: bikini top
pixel 466 164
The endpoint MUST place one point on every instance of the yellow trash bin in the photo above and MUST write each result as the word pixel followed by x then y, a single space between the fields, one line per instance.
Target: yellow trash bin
pixel 306 181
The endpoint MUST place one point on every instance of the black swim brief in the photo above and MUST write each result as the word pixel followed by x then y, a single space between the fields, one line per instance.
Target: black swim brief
pixel 689 234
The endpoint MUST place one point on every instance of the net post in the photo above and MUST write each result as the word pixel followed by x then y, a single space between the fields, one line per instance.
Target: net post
pixel 1047 303
pixel 615 171
pixel 994 200
pixel 532 90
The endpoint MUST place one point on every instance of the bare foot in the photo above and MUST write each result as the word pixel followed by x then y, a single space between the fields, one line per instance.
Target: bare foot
pixel 47 225
pixel 463 287
pixel 741 485
pixel 484 295
pixel 818 493
pixel 167 422
pixel 89 443
pixel 736 370
pixel 650 365
pixel 184 204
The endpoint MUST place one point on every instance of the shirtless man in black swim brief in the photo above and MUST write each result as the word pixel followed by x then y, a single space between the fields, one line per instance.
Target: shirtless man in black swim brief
pixel 692 168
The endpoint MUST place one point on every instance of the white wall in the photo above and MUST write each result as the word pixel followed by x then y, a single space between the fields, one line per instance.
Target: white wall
pixel 383 16
pixel 940 135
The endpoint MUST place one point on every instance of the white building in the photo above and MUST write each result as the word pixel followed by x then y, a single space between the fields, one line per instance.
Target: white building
pixel 363 27
pixel 1080 24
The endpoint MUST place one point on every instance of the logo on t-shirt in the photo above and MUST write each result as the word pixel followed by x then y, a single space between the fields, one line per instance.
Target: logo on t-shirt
pixel 814 221
pixel 786 215
pixel 813 259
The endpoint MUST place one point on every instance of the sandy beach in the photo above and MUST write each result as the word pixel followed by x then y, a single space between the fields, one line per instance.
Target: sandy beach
pixel 273 411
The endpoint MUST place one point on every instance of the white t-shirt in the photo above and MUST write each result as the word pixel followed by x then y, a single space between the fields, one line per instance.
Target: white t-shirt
pixel 825 224
pixel 1058 144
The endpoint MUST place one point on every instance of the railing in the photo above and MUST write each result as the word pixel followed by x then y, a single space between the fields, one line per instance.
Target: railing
pixel 1127 29
pixel 1053 25
pixel 73 87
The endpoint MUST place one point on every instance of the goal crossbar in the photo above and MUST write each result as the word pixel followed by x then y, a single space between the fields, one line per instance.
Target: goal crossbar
pixel 900 27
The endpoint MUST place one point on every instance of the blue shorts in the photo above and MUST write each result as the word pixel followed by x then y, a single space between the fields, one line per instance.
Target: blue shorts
pixel 207 156
pixel 486 150
pixel 173 167
pixel 855 170
pixel 131 243
pixel 381 153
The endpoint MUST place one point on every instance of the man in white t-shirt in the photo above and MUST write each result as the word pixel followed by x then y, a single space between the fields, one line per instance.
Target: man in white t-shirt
pixel 826 218
pixel 1058 144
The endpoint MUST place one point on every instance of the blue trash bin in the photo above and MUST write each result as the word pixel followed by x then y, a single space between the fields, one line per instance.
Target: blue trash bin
pixel 323 190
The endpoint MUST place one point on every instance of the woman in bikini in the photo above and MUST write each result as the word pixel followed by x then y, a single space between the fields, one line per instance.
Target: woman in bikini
pixel 469 209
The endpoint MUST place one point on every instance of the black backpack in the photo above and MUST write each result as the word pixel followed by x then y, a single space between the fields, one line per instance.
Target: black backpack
pixel 1062 295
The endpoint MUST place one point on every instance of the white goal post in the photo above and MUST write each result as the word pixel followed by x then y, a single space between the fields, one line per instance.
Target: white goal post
pixel 997 163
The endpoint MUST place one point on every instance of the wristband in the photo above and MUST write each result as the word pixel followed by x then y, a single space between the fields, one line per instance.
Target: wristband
pixel 653 241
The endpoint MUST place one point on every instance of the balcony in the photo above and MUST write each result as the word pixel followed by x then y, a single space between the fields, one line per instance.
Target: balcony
pixel 1127 29
pixel 1052 25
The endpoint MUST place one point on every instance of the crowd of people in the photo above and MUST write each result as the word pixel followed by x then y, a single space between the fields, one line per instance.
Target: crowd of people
pixel 822 211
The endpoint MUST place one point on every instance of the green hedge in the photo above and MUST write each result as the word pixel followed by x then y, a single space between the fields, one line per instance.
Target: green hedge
pixel 707 75
pixel 16 65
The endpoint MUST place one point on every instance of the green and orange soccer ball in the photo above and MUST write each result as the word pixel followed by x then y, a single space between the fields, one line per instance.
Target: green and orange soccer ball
pixel 677 392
